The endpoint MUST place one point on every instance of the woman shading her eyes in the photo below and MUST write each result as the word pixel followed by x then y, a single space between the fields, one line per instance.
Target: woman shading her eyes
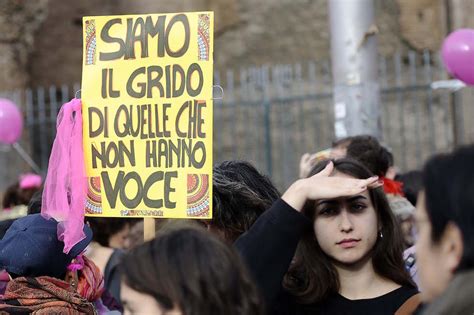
pixel 334 244
pixel 354 204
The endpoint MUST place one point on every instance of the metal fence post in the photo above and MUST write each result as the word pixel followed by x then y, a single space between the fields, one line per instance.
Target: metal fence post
pixel 268 136
pixel 353 56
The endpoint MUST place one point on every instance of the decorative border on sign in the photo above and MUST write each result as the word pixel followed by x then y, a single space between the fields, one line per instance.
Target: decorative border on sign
pixel 198 195
pixel 90 42
pixel 204 38
pixel 93 200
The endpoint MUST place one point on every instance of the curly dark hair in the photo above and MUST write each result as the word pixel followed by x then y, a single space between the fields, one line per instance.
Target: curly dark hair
pixel 241 195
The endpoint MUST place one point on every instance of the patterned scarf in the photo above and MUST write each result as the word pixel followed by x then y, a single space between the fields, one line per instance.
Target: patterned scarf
pixel 41 296
pixel 91 282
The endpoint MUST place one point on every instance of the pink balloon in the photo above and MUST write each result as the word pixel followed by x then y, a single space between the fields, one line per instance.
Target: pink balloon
pixel 11 122
pixel 458 55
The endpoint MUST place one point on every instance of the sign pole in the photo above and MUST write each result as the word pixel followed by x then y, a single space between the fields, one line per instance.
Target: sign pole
pixel 148 229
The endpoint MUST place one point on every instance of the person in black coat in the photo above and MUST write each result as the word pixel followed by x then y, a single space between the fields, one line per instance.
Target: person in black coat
pixel 349 258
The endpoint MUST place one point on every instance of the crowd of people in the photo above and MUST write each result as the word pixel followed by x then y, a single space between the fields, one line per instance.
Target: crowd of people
pixel 344 238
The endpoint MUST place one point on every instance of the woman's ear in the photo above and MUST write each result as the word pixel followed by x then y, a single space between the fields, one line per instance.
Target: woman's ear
pixel 452 246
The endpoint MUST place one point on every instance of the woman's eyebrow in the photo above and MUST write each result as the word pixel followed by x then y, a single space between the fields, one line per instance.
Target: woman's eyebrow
pixel 329 201
pixel 333 201
pixel 354 198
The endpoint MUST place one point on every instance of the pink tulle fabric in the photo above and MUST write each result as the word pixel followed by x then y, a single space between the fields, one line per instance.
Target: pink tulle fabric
pixel 65 187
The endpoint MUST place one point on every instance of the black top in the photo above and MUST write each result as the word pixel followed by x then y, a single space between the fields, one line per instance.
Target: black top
pixel 268 248
pixel 337 304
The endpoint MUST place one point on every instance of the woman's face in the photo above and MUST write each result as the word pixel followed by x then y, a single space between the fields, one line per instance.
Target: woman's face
pixel 433 262
pixel 137 303
pixel 346 228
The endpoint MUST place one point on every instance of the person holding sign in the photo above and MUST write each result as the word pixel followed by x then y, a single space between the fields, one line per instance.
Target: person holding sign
pixel 186 270
pixel 349 259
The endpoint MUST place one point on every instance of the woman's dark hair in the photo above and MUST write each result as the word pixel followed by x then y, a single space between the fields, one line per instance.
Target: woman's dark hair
pixel 104 228
pixel 14 195
pixel 34 206
pixel 193 269
pixel 412 184
pixel 367 150
pixel 343 142
pixel 240 195
pixel 313 276
pixel 448 181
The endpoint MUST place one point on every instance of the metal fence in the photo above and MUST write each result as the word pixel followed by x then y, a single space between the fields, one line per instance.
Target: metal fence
pixel 271 115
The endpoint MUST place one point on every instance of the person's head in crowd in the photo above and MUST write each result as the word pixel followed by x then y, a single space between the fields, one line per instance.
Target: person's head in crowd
pixel 186 270
pixel 45 280
pixel 30 248
pixel 20 193
pixel 403 205
pixel 364 219
pixel 136 236
pixel 111 232
pixel 339 148
pixel 240 195
pixel 404 212
pixel 445 221
pixel 412 184
pixel 378 159
pixel 367 150
pixel 34 206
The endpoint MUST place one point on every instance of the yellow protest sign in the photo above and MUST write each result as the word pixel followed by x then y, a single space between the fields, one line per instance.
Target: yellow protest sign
pixel 147 108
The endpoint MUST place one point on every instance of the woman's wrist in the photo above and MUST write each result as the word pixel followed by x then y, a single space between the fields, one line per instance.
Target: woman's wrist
pixel 296 194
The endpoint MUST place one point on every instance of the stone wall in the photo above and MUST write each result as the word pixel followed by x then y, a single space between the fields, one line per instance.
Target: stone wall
pixel 247 32
pixel 18 22
pixel 41 41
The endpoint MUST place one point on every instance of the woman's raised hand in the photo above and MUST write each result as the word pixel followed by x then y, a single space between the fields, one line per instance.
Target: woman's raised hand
pixel 322 186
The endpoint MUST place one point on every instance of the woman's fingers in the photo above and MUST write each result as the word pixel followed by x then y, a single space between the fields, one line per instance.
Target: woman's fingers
pixel 377 184
pixel 349 186
pixel 369 183
pixel 364 184
pixel 327 170
pixel 323 186
pixel 371 180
